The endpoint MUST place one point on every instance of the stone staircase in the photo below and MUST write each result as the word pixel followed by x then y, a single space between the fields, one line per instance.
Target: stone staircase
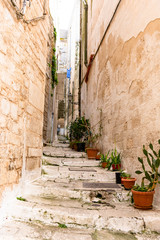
pixel 74 193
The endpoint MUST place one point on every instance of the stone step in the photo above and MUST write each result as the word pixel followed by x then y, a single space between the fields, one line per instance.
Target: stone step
pixel 76 162
pixel 82 173
pixel 75 190
pixel 61 152
pixel 35 230
pixel 125 219
pixel 68 154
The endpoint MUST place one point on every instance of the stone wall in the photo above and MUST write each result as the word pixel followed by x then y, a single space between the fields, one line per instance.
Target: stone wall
pixel 23 54
pixel 124 77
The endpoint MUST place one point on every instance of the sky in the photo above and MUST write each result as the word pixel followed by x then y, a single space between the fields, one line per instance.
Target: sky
pixel 64 11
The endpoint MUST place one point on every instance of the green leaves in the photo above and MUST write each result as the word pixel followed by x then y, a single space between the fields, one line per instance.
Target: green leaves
pixel 153 160
pixel 138 172
pixel 140 160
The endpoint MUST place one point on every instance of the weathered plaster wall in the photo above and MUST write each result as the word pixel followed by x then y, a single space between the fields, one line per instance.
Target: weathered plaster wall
pixel 23 54
pixel 124 78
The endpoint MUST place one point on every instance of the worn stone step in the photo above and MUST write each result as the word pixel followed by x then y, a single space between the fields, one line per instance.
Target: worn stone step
pixel 64 155
pixel 91 173
pixel 126 219
pixel 62 152
pixel 74 190
pixel 76 162
pixel 36 230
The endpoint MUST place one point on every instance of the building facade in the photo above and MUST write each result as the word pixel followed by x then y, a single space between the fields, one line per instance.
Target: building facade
pixel 24 48
pixel 120 85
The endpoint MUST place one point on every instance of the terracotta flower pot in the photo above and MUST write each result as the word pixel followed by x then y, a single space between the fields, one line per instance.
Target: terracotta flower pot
pixel 116 167
pixel 104 164
pixel 143 200
pixel 92 153
pixel 122 180
pixel 128 182
pixel 75 146
pixel 98 157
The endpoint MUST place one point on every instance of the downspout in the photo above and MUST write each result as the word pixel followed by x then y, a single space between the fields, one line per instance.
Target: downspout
pixel 86 35
pixel 80 59
pixel 93 56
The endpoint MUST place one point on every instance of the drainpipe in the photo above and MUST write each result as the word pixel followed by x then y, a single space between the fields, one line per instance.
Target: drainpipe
pixel 80 59
pixel 86 34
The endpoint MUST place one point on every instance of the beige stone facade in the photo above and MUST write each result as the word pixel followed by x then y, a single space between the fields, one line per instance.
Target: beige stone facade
pixel 124 78
pixel 23 62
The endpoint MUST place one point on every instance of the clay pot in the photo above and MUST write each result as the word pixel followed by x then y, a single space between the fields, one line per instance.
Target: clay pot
pixel 122 180
pixel 75 146
pixel 116 167
pixel 98 157
pixel 143 200
pixel 104 164
pixel 128 183
pixel 118 177
pixel 92 153
pixel 81 147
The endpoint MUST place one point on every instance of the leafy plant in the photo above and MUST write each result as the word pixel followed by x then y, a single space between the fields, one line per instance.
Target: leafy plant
pixel 61 225
pixel 115 157
pixel 106 158
pixel 153 160
pixel 21 199
pixel 78 129
pixel 55 34
pixel 123 174
pixel 54 70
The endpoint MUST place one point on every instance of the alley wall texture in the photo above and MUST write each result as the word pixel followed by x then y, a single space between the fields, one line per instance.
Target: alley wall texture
pixel 124 80
pixel 23 53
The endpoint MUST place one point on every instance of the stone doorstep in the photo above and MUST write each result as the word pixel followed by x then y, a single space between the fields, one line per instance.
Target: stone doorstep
pixel 117 220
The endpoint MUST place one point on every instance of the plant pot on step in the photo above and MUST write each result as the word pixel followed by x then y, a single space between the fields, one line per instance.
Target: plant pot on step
pixel 128 183
pixel 98 157
pixel 75 146
pixel 92 153
pixel 81 146
pixel 104 164
pixel 116 167
pixel 143 200
pixel 118 177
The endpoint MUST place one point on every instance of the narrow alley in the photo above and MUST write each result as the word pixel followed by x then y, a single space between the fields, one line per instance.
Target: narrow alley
pixel 79 77
pixel 76 199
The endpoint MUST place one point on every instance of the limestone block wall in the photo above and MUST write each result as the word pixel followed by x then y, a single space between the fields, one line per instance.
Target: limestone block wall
pixel 23 54
pixel 124 77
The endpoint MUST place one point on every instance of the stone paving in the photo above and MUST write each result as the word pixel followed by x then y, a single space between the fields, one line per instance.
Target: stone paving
pixel 63 204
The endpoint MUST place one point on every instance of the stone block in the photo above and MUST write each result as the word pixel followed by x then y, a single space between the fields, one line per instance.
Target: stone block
pixel 14 111
pixel 5 106
pixel 32 163
pixel 34 152
pixel 3 121
pixel 36 97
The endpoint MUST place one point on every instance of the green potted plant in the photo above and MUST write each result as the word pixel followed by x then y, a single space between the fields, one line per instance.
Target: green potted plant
pixel 143 194
pixel 115 160
pixel 105 160
pixel 78 132
pixel 98 157
pixel 127 180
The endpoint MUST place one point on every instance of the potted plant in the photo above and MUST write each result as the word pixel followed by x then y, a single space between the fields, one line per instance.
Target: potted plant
pixel 78 132
pixel 115 160
pixel 91 151
pixel 98 157
pixel 105 160
pixel 127 180
pixel 143 194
